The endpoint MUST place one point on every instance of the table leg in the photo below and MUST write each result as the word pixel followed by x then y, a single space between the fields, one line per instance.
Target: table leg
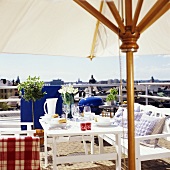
pixel 118 149
pixel 101 147
pixel 92 144
pixel 54 154
pixel 85 146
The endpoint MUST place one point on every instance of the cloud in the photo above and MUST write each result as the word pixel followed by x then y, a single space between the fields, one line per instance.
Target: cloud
pixel 166 56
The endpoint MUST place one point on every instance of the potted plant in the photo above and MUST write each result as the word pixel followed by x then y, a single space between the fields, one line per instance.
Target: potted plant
pixel 67 94
pixel 31 90
pixel 112 96
pixel 3 106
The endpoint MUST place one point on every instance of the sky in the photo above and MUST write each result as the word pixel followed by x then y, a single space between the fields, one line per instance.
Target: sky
pixel 70 69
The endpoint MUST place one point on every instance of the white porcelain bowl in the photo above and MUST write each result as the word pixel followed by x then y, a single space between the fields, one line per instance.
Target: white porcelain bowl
pixel 103 119
pixel 47 115
pixel 55 123
pixel 47 118
pixel 103 123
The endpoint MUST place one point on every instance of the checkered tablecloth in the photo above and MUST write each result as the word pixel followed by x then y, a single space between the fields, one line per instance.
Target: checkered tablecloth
pixel 19 153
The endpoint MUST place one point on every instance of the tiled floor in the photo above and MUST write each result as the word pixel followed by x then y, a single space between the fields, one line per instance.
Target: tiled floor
pixel 77 148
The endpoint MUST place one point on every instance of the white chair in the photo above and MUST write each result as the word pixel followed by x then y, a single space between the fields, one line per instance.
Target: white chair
pixel 12 136
pixel 14 129
pixel 142 151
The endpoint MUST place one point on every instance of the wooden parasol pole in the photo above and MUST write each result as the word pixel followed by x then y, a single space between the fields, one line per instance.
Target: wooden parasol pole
pixel 130 108
pixel 129 46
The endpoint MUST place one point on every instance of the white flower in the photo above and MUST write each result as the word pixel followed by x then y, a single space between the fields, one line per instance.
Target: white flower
pixel 75 90
pixel 68 89
pixel 60 90
pixel 67 92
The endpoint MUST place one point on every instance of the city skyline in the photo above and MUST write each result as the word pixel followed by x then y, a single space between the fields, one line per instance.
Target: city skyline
pixel 74 68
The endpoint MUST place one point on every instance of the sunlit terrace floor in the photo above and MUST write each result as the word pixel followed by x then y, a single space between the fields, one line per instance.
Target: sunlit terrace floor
pixel 77 148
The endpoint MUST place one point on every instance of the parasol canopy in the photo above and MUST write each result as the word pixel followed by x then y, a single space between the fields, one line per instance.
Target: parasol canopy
pixel 63 28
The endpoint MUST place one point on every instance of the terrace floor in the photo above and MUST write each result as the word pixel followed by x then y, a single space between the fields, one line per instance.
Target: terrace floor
pixel 77 148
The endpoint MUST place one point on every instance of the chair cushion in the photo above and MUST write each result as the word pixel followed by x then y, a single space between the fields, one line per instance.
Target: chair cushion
pixel 149 109
pixel 149 125
pixel 136 107
pixel 20 153
pixel 118 115
pixel 119 112
pixel 145 125
pixel 123 120
pixel 138 115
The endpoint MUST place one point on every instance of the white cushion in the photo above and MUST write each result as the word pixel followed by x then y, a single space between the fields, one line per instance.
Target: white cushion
pixel 138 115
pixel 136 107
pixel 123 121
pixel 119 112
pixel 146 125
pixel 149 109
pixel 149 125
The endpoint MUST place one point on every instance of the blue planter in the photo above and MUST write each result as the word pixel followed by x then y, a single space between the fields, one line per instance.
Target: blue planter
pixel 26 112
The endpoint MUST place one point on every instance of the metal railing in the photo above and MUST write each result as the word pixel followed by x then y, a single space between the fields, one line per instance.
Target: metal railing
pixel 89 87
pixel 10 114
pixel 147 96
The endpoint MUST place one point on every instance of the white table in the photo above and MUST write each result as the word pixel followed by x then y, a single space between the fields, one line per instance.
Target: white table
pixel 56 136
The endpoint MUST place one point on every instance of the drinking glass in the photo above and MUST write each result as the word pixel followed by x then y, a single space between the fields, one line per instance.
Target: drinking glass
pixel 87 112
pixel 75 112
pixel 66 110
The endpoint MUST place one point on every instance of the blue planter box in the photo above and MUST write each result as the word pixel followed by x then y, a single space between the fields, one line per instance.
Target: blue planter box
pixel 26 108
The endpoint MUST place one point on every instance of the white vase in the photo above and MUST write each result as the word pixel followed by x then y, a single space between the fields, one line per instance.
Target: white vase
pixel 109 103
pixel 113 102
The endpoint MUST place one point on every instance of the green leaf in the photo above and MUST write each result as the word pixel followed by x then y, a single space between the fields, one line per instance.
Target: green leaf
pixel 31 89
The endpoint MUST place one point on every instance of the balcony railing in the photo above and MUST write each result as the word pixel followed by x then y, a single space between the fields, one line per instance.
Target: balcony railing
pixel 16 112
pixel 13 114
pixel 147 96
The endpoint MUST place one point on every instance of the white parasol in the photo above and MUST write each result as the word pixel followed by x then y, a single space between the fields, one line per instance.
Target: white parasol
pixel 62 28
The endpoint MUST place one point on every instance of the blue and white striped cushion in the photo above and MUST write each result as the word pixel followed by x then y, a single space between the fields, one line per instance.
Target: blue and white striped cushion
pixel 146 125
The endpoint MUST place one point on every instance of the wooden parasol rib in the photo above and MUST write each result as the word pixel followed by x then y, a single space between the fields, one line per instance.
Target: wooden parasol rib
pixel 154 13
pixel 128 12
pixel 84 4
pixel 116 15
pixel 136 15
